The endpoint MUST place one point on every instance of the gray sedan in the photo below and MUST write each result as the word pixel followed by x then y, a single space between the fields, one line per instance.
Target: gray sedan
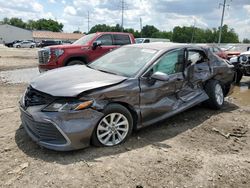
pixel 25 44
pixel 127 89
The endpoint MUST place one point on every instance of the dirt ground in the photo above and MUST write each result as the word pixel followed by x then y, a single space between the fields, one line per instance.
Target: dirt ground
pixel 197 148
pixel 13 58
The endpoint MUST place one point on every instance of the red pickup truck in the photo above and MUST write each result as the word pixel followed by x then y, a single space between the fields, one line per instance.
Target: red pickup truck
pixel 82 51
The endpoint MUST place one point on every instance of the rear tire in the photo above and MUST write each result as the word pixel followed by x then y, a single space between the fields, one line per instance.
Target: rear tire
pixel 76 62
pixel 18 46
pixel 116 125
pixel 215 93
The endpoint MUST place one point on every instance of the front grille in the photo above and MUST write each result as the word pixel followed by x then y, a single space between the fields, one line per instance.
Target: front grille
pixel 45 132
pixel 33 97
pixel 43 56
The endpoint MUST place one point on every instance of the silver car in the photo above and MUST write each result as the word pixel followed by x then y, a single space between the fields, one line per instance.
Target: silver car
pixel 25 44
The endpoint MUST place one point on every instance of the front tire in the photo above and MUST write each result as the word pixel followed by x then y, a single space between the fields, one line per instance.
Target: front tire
pixel 215 93
pixel 114 127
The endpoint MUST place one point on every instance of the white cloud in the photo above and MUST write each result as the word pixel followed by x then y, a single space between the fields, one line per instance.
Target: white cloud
pixel 52 1
pixel 164 14
pixel 70 10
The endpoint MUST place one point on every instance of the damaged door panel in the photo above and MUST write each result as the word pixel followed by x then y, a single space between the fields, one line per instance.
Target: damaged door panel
pixel 158 97
pixel 197 71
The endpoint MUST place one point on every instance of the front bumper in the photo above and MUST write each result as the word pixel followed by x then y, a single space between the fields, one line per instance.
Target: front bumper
pixel 62 131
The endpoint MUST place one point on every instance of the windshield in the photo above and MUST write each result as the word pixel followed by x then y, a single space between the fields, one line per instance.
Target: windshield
pixel 85 39
pixel 139 40
pixel 125 61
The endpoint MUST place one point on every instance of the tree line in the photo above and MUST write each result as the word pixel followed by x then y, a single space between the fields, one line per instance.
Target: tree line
pixel 179 34
pixel 41 24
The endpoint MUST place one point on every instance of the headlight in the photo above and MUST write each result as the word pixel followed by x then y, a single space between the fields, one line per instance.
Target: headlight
pixel 59 106
pixel 58 52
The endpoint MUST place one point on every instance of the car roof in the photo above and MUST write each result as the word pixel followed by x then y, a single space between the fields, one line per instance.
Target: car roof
pixel 164 46
pixel 123 33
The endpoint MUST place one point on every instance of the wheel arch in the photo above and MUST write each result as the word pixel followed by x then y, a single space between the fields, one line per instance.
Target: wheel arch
pixel 130 109
pixel 72 58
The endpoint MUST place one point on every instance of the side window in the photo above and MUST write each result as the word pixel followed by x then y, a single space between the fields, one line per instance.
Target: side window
pixel 170 63
pixel 146 41
pixel 196 57
pixel 121 39
pixel 216 50
pixel 105 39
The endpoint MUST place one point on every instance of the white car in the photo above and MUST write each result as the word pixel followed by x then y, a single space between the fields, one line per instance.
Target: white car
pixel 25 44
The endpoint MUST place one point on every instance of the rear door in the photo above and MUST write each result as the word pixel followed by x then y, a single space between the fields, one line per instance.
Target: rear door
pixel 157 98
pixel 197 70
pixel 121 39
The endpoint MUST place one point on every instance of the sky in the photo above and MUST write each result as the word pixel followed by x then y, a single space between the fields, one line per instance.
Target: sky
pixel 163 14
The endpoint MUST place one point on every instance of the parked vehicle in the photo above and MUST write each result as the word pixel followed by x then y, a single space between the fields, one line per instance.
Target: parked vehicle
pixel 25 44
pixel 10 44
pixel 127 89
pixel 242 65
pixel 148 40
pixel 45 43
pixel 231 51
pixel 218 51
pixel 82 51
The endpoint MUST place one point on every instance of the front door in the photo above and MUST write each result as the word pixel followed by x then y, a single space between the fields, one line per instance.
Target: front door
pixel 159 97
pixel 106 46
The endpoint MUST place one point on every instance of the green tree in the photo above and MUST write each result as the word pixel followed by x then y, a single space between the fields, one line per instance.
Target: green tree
pixel 77 32
pixel 18 22
pixel 246 40
pixel 49 25
pixel 148 31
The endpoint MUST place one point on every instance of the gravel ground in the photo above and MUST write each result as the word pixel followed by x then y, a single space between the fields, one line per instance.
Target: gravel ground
pixel 197 148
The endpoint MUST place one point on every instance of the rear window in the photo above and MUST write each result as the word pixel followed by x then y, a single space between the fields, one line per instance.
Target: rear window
pixel 121 39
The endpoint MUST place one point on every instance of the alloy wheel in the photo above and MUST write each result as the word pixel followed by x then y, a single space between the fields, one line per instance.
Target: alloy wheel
pixel 219 94
pixel 112 129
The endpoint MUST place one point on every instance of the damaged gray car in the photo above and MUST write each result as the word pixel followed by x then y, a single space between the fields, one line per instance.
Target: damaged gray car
pixel 127 89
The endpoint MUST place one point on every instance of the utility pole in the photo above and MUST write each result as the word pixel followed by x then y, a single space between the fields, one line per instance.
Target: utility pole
pixel 88 21
pixel 122 13
pixel 222 19
pixel 141 26
pixel 193 32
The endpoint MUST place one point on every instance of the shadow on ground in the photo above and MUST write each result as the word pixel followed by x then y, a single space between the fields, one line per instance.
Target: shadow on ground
pixel 153 135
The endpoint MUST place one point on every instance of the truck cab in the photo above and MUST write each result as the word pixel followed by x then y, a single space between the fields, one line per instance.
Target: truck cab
pixel 83 51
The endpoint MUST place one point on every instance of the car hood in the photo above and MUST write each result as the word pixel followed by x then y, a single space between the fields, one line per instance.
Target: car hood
pixel 73 80
pixel 245 53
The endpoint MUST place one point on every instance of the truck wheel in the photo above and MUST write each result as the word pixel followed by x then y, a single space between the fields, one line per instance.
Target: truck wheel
pixel 32 46
pixel 238 76
pixel 215 93
pixel 18 46
pixel 76 62
pixel 114 127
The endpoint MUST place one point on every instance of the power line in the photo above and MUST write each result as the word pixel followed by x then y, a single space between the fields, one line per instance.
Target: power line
pixel 141 26
pixel 88 21
pixel 122 14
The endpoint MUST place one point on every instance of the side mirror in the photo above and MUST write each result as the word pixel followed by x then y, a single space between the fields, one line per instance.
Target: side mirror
pixel 160 76
pixel 96 44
